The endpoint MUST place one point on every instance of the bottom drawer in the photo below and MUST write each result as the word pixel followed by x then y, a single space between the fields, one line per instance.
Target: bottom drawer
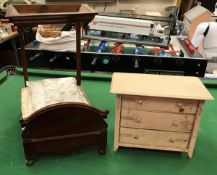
pixel 154 138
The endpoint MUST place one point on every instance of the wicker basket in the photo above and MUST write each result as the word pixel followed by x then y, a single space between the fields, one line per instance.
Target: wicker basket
pixel 50 33
pixel 52 30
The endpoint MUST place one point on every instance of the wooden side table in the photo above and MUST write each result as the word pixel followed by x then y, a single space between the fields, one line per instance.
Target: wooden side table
pixel 158 112
pixel 11 37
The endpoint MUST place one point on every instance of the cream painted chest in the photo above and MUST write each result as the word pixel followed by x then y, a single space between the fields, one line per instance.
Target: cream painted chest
pixel 157 112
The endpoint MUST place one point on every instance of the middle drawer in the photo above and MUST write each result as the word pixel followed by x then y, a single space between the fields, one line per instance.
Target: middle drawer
pixel 155 120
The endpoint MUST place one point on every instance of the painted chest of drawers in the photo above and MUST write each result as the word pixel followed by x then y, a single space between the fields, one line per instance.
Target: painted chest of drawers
pixel 157 112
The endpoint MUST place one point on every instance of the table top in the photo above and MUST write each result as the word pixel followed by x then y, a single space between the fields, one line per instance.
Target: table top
pixel 159 86
pixel 7 37
pixel 27 15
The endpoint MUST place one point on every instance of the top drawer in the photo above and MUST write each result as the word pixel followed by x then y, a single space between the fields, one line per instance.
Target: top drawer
pixel 183 106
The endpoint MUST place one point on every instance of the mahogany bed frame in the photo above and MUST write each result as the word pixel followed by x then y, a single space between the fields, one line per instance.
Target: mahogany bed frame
pixel 62 127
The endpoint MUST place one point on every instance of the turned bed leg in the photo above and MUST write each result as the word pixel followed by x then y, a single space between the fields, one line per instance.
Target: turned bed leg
pixel 28 151
pixel 102 143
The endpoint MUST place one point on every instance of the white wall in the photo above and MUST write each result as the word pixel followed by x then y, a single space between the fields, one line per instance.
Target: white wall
pixel 142 6
pixel 40 1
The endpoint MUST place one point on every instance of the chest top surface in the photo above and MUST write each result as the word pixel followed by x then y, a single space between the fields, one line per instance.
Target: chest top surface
pixel 159 86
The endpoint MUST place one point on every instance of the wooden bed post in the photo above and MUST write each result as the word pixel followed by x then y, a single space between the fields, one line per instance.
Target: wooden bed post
pixel 28 151
pixel 78 53
pixel 102 142
pixel 23 53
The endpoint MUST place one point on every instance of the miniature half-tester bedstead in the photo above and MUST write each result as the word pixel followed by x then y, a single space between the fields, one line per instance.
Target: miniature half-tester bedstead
pixel 56 115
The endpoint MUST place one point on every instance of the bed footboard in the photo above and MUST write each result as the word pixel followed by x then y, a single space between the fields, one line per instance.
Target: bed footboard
pixel 62 129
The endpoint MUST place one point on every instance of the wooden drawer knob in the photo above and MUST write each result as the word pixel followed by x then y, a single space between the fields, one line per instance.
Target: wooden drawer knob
pixel 175 123
pixel 136 137
pixel 179 104
pixel 137 119
pixel 171 140
pixel 140 101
